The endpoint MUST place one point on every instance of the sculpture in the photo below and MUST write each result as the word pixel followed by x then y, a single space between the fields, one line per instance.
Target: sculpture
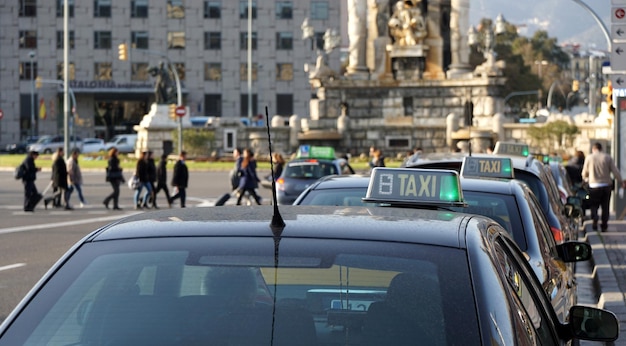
pixel 407 24
pixel 164 89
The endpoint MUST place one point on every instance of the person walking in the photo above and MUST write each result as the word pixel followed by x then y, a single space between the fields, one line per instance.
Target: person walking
pixel 248 181
pixel 180 179
pixel 115 177
pixel 75 177
pixel 234 173
pixel 59 181
pixel 152 177
pixel 31 195
pixel 161 179
pixel 597 171
pixel 141 171
pixel 279 164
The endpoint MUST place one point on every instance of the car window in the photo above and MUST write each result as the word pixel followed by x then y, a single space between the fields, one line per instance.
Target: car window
pixel 339 197
pixel 214 291
pixel 525 289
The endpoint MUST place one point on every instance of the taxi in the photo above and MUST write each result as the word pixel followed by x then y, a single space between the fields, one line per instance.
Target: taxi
pixel 410 271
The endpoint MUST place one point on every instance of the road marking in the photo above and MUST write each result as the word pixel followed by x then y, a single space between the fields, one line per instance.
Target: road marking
pixel 12 266
pixel 62 224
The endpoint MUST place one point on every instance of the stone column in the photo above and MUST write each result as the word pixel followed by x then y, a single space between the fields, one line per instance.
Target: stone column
pixel 459 25
pixel 357 33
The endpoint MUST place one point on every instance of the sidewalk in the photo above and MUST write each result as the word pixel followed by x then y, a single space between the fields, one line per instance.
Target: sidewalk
pixel 602 281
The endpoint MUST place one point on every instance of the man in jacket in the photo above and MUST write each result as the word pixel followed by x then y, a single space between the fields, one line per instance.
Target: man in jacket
pixel 31 195
pixel 597 171
pixel 180 179
pixel 161 178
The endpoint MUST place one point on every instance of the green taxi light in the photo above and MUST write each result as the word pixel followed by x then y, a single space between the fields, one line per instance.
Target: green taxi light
pixel 315 152
pixel 487 167
pixel 514 149
pixel 400 186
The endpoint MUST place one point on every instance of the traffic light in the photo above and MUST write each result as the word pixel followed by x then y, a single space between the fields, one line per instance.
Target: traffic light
pixel 122 51
pixel 575 85
pixel 38 82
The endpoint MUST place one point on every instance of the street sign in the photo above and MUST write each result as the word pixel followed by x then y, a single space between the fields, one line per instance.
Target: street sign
pixel 618 32
pixel 618 81
pixel 618 56
pixel 618 14
pixel 180 111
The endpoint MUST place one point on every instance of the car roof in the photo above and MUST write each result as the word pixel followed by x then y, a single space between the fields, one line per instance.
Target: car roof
pixel 366 223
pixel 499 186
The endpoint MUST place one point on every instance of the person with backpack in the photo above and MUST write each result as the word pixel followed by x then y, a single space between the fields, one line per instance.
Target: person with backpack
pixel 248 181
pixel 29 175
pixel 59 181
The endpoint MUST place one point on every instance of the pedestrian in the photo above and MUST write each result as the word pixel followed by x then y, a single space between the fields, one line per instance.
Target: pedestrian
pixel 279 164
pixel 141 171
pixel 161 175
pixel 597 171
pixel 248 181
pixel 115 177
pixel 180 179
pixel 75 177
pixel 234 173
pixel 152 177
pixel 378 160
pixel 59 181
pixel 574 168
pixel 31 195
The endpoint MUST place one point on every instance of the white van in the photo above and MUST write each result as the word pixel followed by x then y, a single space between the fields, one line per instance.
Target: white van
pixel 123 143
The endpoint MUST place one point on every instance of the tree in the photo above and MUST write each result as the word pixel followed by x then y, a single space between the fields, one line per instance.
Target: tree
pixel 552 136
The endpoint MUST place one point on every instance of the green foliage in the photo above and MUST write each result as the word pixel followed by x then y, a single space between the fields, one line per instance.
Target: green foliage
pixel 196 142
pixel 553 136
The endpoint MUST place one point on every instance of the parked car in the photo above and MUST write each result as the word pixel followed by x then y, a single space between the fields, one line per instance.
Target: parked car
pixel 93 145
pixel 50 144
pixel 22 146
pixel 123 143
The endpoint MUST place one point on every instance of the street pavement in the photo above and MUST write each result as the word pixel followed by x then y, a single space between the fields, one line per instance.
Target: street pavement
pixel 602 280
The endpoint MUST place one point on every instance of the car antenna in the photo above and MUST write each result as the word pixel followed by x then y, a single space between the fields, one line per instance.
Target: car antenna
pixel 278 224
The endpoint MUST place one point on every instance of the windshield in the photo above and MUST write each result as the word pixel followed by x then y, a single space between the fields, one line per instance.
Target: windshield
pixel 232 291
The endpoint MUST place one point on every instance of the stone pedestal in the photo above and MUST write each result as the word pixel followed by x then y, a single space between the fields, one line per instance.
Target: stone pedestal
pixel 408 62
pixel 154 132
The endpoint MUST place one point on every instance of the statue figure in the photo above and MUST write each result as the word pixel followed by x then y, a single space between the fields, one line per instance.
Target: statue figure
pixel 407 24
pixel 164 89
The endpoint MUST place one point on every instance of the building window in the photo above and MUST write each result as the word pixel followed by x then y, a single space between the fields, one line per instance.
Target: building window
pixel 244 105
pixel 60 39
pixel 319 10
pixel 28 39
pixel 213 40
pixel 243 71
pixel 230 138
pixel 28 8
pixel 243 41
pixel 102 8
pixel 139 39
pixel 284 40
pixel 102 40
pixel 176 40
pixel 407 104
pixel 284 104
pixel 139 71
pixel 25 70
pixel 213 105
pixel 103 71
pixel 284 71
pixel 319 41
pixel 139 9
pixel 60 7
pixel 284 10
pixel 175 9
pixel 212 9
pixel 180 68
pixel 60 72
pixel 213 71
pixel 243 9
pixel 398 142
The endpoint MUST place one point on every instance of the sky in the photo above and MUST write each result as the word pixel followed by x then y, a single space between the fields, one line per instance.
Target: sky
pixel 566 20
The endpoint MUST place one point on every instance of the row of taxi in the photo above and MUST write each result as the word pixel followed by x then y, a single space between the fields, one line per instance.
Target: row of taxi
pixel 426 256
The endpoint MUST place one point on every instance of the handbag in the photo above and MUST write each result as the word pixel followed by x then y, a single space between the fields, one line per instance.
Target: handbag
pixel 133 182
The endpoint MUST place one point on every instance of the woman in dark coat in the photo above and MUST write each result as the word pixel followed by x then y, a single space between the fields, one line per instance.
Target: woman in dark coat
pixel 59 181
pixel 249 180
pixel 161 178
pixel 142 172
pixel 115 178
pixel 180 179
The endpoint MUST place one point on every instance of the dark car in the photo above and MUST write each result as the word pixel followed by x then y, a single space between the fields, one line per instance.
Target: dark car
pixel 347 190
pixel 403 274
pixel 21 147
pixel 298 174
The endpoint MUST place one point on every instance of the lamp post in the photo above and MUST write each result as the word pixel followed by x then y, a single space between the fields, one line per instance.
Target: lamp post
pixel 31 54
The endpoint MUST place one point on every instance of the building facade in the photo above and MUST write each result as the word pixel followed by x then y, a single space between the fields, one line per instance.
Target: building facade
pixel 205 41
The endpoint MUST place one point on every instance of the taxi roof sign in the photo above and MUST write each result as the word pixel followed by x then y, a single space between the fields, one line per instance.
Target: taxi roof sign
pixel 419 187
pixel 487 167
pixel 511 148
pixel 315 152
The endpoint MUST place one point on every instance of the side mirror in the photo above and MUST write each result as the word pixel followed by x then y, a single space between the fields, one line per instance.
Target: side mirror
pixel 574 251
pixel 587 323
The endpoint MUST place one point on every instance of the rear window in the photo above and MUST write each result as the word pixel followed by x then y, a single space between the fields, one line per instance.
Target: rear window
pixel 338 197
pixel 245 291
pixel 309 170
